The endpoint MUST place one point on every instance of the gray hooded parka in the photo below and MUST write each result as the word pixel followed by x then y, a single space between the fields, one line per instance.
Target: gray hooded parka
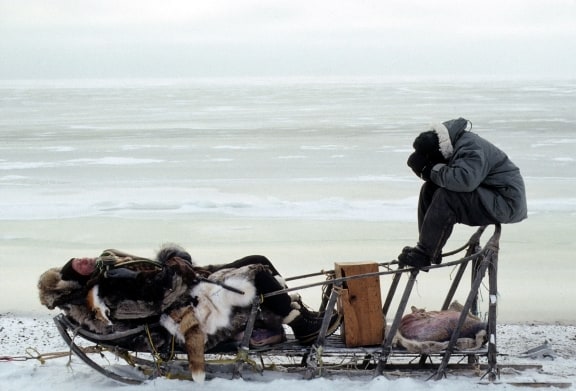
pixel 474 164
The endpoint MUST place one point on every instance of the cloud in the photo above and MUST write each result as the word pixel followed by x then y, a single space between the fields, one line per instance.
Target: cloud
pixel 486 17
pixel 284 35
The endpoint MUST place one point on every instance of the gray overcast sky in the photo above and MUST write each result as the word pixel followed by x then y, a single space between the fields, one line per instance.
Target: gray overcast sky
pixel 189 38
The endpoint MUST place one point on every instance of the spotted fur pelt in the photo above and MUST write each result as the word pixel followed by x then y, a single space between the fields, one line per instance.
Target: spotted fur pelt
pixel 426 332
pixel 223 313
pixel 217 314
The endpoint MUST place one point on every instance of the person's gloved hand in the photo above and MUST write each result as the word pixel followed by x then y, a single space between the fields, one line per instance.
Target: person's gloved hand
pixel 420 165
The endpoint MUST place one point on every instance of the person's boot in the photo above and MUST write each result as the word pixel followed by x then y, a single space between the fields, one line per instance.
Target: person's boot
pixel 407 249
pixel 306 326
pixel 415 257
pixel 298 304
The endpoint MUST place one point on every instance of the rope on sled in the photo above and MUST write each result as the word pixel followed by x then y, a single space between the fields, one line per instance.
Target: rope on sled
pixel 157 356
pixel 34 354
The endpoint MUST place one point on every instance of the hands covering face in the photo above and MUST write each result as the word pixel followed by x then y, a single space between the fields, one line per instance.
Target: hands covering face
pixel 421 165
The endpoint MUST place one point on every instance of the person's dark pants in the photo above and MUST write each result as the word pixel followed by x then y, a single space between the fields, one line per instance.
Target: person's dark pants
pixel 439 209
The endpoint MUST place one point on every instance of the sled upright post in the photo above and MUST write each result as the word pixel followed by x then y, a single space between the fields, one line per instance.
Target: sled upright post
pixel 488 263
pixel 484 261
pixel 473 248
pixel 391 332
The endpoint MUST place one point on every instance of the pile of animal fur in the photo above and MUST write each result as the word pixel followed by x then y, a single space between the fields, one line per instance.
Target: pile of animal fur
pixel 427 332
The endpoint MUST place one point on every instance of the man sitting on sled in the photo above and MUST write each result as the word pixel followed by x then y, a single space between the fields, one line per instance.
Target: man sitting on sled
pixel 117 290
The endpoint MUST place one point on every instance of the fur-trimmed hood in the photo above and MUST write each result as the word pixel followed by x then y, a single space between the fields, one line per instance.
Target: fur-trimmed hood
pixel 448 132
pixel 54 291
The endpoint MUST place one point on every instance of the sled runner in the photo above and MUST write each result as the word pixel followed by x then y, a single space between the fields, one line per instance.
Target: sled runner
pixel 150 351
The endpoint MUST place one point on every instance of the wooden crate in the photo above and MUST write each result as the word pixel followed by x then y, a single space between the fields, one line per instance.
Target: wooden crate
pixel 361 305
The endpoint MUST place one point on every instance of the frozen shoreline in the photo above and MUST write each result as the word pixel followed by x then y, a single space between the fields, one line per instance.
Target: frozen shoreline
pixel 20 333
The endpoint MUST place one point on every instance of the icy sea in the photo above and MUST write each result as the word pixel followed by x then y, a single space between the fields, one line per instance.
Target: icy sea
pixel 305 171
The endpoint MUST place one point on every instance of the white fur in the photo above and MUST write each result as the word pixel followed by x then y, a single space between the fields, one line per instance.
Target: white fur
pixel 294 296
pixel 291 316
pixel 99 306
pixel 199 377
pixel 446 147
pixel 216 302
pixel 295 305
pixel 173 328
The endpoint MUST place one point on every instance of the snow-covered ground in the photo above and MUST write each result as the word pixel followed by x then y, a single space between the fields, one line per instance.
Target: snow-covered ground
pixel 23 336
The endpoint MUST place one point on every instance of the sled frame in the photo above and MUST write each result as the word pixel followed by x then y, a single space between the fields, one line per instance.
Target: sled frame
pixel 484 261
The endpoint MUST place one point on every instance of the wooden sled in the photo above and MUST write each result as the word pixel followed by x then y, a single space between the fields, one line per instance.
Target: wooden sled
pixel 149 351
